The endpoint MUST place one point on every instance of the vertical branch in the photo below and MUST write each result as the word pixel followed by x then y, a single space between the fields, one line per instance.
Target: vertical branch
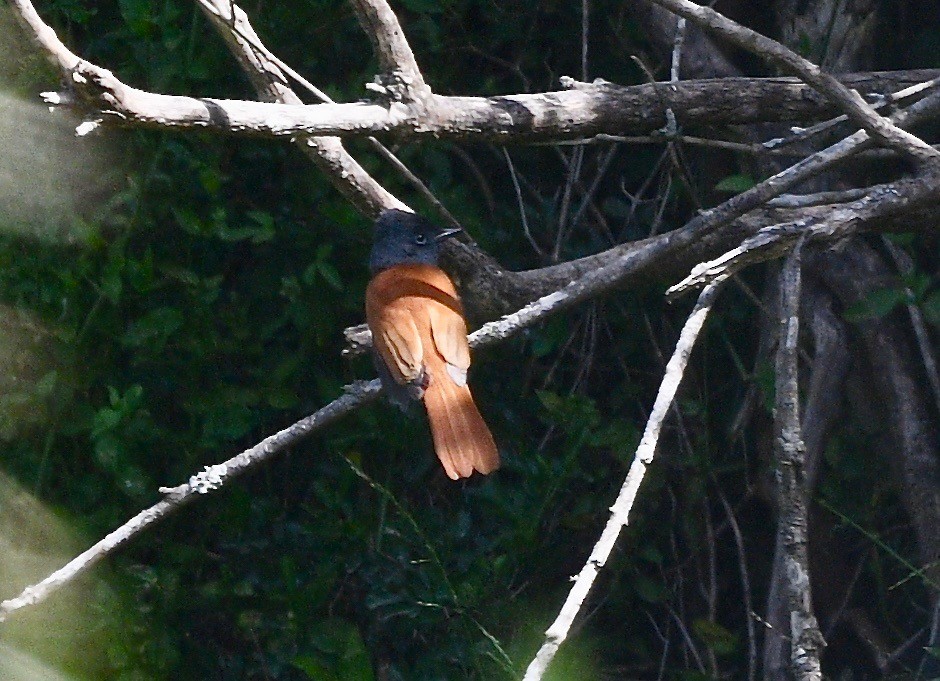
pixel 806 641
pixel 392 49
pixel 556 634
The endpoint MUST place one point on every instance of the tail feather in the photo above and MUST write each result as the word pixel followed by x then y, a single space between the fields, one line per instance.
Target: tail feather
pixel 461 439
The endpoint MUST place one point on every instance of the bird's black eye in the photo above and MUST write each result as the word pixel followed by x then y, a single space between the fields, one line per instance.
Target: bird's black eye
pixel 420 239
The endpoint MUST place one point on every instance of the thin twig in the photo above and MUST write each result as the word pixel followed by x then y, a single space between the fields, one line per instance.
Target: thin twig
pixel 620 511
pixel 659 137
pixel 883 102
pixel 521 202
pixel 905 265
pixel 745 585
pixel 585 28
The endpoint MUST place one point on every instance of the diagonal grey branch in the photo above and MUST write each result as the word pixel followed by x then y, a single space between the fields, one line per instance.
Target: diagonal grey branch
pixel 217 476
pixel 847 99
pixel 266 74
pixel 842 220
pixel 556 634
pixel 213 477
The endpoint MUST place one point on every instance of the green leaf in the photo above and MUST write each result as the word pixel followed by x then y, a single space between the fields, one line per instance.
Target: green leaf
pixel 651 554
pixel 258 229
pixel 550 336
pixel 283 398
pixel 154 328
pixel 136 14
pixel 211 179
pixel 693 675
pixel 330 275
pixel 105 419
pixel 621 436
pixel 875 305
pixel 111 283
pixel 340 653
pixel 314 668
pixel 227 422
pixel 424 6
pixel 46 384
pixel 264 225
pixel 918 282
pixel 735 183
pixel 651 591
pixel 901 238
pixel 715 636
pixel 573 413
pixel 931 308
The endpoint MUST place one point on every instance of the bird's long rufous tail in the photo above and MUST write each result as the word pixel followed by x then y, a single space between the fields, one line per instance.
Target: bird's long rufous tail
pixel 461 439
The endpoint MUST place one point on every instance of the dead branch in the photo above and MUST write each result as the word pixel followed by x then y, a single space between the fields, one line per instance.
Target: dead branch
pixel 841 220
pixel 583 111
pixel 806 641
pixel 269 80
pixel 556 634
pixel 856 108
pixel 406 84
pixel 210 479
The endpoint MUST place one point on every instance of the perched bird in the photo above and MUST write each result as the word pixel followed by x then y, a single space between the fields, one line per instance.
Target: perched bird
pixel 419 337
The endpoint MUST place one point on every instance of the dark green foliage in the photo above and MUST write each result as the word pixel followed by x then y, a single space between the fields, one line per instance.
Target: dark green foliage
pixel 202 310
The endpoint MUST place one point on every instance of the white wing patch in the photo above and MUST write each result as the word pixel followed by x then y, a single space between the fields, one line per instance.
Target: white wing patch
pixel 459 375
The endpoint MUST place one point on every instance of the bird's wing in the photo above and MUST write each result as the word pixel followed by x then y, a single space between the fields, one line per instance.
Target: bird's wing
pixel 396 337
pixel 449 331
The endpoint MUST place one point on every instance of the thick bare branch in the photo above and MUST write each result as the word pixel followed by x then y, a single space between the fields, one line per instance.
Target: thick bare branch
pixel 582 111
pixel 549 116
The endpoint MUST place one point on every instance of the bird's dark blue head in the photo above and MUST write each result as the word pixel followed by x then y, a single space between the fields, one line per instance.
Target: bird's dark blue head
pixel 403 238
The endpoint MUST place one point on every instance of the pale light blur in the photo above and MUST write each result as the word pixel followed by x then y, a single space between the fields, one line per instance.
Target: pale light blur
pixel 18 666
pixel 49 178
pixel 33 543
pixel 27 373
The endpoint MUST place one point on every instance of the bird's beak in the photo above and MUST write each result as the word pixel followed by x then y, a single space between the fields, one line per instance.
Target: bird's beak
pixel 447 232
